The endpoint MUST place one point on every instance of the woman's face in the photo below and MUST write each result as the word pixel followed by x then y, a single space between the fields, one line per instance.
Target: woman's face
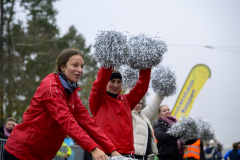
pixel 73 68
pixel 164 111
pixel 138 107
pixel 114 85
pixel 10 125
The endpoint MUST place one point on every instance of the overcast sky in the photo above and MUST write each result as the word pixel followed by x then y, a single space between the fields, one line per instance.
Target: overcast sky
pixel 187 26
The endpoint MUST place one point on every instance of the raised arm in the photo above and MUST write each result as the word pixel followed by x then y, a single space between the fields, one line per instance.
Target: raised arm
pixel 152 108
pixel 140 89
pixel 99 89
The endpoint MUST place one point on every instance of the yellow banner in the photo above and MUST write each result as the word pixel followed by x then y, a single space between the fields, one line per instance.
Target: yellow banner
pixel 195 81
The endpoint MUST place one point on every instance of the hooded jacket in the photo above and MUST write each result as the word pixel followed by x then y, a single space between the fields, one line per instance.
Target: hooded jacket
pixel 113 115
pixel 53 115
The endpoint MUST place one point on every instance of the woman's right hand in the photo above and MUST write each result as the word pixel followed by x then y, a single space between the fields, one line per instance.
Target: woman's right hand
pixel 98 154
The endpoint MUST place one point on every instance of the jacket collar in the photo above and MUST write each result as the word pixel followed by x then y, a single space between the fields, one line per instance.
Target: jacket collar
pixel 59 82
pixel 135 112
pixel 162 121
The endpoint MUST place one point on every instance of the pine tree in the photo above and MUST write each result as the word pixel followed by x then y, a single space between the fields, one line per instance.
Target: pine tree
pixel 25 53
pixel 29 54
pixel 39 47
pixel 10 60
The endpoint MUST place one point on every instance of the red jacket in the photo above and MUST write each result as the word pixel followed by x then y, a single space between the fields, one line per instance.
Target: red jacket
pixel 113 115
pixel 53 115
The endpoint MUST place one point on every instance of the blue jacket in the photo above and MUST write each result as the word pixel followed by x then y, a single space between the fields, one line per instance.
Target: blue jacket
pixel 228 153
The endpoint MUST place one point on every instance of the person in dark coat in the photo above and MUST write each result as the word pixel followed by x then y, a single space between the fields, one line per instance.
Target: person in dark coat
pixel 234 154
pixel 6 129
pixel 226 156
pixel 219 151
pixel 169 147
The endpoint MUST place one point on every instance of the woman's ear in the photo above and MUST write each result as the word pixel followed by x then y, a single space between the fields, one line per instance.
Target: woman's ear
pixel 62 67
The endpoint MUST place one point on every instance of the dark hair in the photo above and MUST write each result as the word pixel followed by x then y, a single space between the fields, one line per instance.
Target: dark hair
pixel 219 147
pixel 235 145
pixel 10 119
pixel 64 57
pixel 141 101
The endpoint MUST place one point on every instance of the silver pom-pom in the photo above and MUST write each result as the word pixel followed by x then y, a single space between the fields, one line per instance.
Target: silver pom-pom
pixel 176 130
pixel 163 80
pixel 145 52
pixel 206 131
pixel 121 158
pixel 111 49
pixel 189 128
pixel 129 77
pixel 186 128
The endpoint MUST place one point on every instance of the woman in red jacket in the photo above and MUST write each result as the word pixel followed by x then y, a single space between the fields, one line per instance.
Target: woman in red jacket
pixel 56 111
pixel 112 111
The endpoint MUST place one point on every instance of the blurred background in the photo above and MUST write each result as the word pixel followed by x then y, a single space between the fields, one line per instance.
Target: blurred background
pixel 34 32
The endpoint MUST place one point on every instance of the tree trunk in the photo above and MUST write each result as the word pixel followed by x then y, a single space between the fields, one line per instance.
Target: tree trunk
pixel 1 63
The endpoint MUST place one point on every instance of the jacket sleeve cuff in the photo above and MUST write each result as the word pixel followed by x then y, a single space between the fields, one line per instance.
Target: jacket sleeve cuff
pixel 92 147
pixel 110 150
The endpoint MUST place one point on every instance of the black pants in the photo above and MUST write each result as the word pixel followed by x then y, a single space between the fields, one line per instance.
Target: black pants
pixel 8 156
pixel 140 157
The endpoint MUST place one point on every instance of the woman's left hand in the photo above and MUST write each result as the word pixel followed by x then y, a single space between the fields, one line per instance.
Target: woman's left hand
pixel 115 153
